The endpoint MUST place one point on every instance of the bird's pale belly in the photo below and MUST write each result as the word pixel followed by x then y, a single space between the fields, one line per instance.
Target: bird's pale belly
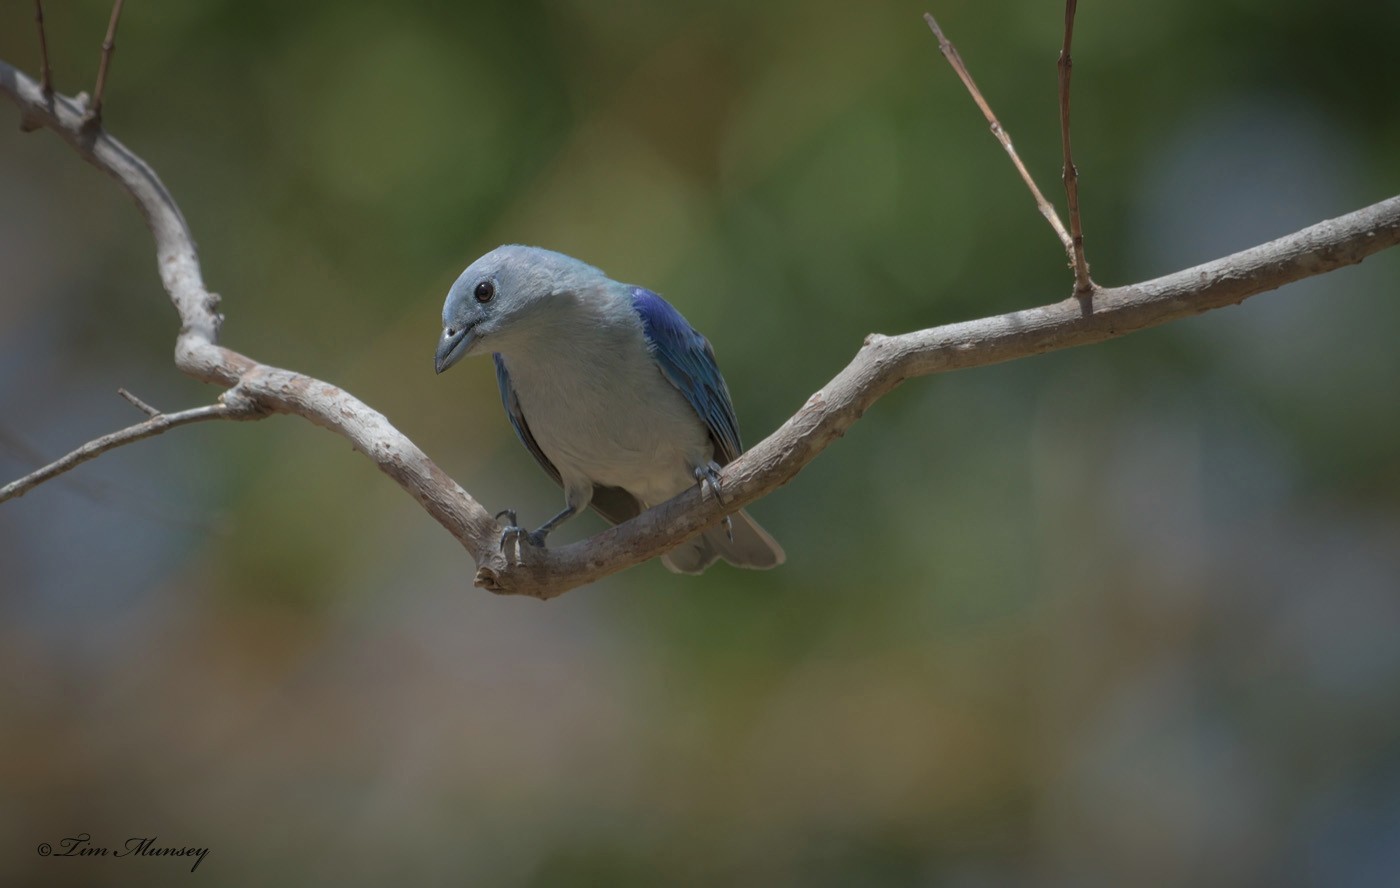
pixel 637 433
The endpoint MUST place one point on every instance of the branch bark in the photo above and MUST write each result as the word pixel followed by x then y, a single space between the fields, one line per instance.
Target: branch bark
pixel 881 364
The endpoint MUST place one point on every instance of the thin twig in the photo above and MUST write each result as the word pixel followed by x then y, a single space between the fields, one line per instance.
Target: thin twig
pixel 138 403
pixel 92 449
pixel 109 48
pixel 137 502
pixel 28 122
pixel 950 52
pixel 1083 284
pixel 45 72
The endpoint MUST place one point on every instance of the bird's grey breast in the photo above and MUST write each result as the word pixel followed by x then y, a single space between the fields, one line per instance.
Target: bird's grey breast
pixel 600 409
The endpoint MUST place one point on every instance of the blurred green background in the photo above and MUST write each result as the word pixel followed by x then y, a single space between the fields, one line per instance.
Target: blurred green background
pixel 1128 614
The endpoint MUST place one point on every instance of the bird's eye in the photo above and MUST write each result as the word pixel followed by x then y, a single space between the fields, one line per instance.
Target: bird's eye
pixel 484 291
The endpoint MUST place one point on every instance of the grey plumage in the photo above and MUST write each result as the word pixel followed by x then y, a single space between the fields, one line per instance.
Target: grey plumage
pixel 614 393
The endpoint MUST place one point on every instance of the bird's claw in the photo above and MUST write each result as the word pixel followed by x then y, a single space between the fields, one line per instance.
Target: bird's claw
pixel 512 532
pixel 708 476
pixel 517 535
pixel 532 538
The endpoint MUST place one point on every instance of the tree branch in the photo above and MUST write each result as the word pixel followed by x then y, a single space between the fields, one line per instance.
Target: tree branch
pixel 159 422
pixel 878 367
pixel 197 354
pixel 886 361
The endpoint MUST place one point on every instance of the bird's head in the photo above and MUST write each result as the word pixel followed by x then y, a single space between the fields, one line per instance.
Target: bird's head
pixel 503 297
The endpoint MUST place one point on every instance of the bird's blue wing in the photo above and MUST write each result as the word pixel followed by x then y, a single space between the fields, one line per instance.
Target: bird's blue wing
pixel 612 503
pixel 687 360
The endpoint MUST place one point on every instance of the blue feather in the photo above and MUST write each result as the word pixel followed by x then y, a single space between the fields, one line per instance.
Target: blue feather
pixel 688 361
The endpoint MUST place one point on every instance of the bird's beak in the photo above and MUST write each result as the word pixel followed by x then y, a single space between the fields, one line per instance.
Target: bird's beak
pixel 453 346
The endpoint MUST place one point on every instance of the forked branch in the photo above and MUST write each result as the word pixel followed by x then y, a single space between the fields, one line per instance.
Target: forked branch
pixel 265 389
pixel 878 367
pixel 1047 209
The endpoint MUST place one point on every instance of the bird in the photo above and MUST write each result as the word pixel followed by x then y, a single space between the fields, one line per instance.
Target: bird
pixel 614 393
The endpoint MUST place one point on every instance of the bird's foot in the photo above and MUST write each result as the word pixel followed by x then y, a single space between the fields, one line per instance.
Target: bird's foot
pixel 515 536
pixel 708 476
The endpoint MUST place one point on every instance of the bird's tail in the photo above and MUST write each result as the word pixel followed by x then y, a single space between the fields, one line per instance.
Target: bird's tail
pixel 751 547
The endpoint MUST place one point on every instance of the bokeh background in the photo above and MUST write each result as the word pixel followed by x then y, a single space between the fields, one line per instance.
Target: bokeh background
pixel 1128 614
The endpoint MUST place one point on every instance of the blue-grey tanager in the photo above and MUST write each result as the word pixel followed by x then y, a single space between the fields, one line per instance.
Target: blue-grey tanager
pixel 612 391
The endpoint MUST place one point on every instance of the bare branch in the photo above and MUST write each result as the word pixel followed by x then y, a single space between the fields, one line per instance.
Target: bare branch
pixel 878 367
pixel 160 422
pixel 1047 209
pixel 886 361
pixel 1083 284
pixel 198 355
pixel 138 403
pixel 109 48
